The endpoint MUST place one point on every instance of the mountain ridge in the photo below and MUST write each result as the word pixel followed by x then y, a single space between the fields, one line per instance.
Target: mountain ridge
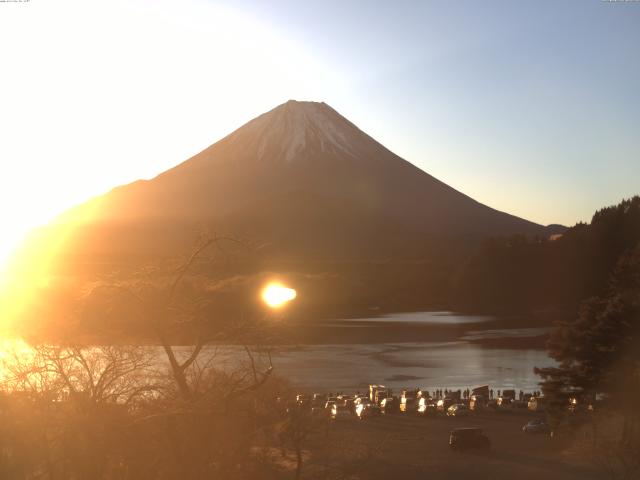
pixel 268 140
pixel 352 223
pixel 297 175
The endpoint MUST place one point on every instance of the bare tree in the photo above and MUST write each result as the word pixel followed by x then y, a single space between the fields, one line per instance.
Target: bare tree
pixel 123 412
pixel 62 406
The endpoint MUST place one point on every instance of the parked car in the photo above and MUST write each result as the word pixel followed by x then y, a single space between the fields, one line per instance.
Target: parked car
pixel 366 408
pixel 537 425
pixel 426 406
pixel 360 397
pixel 509 394
pixel 468 438
pixel 444 403
pixel 302 399
pixel 457 410
pixel 389 405
pixel 340 412
pixel 536 404
pixel 349 404
pixel 318 400
pixel 408 401
pixel 477 402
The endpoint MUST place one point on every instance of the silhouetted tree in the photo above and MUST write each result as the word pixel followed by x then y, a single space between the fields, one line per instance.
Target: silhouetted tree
pixel 520 274
pixel 598 351
pixel 599 359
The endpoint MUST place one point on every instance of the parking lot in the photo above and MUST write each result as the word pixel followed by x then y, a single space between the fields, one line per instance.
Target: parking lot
pixel 408 446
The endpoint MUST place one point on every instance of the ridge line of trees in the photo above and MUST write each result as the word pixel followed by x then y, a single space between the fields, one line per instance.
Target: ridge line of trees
pixel 519 274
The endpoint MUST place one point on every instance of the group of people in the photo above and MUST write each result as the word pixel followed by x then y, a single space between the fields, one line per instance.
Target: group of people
pixel 466 393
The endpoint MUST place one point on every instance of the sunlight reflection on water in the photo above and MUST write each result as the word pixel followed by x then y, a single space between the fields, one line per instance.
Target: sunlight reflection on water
pixel 428 365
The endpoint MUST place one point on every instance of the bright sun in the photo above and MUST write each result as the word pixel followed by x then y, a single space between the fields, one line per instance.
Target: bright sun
pixel 112 107
pixel 276 295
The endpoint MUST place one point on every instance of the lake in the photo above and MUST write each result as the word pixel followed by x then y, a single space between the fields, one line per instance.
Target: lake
pixel 425 349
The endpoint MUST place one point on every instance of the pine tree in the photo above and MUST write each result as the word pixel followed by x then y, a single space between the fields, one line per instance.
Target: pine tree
pixel 599 351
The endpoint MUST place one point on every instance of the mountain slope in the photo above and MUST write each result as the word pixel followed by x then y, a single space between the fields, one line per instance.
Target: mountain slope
pixel 350 224
pixel 301 178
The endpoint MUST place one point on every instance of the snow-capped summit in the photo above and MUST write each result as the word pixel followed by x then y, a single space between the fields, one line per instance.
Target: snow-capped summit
pixel 297 126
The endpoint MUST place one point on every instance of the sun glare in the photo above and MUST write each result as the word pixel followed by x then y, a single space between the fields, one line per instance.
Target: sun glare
pixel 27 264
pixel 167 62
pixel 276 295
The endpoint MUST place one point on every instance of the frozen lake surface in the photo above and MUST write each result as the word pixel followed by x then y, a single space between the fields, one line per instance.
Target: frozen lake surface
pixel 429 350
pixel 460 361
pixel 450 365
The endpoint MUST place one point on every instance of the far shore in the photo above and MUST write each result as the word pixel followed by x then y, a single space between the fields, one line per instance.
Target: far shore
pixel 506 332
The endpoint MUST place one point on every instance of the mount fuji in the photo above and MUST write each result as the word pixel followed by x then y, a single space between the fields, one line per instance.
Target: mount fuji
pixel 302 180
pixel 352 225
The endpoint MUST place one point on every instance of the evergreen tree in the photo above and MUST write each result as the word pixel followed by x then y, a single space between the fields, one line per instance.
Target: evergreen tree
pixel 520 274
pixel 599 352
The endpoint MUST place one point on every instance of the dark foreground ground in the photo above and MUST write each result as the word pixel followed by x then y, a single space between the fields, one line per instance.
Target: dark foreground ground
pixel 408 447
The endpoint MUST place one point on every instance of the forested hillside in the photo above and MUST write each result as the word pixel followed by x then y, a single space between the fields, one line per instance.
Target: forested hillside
pixel 518 273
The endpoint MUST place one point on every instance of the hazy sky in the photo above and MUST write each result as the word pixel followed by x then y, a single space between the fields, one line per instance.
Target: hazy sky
pixel 529 107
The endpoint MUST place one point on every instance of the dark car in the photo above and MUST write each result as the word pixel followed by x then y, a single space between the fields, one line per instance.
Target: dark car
pixel 426 407
pixel 366 409
pixel 389 405
pixel 477 402
pixel 458 410
pixel 303 399
pixel 468 438
pixel 444 403
pixel 536 426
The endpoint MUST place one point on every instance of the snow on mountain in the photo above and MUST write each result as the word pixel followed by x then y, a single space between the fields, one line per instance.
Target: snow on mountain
pixel 296 126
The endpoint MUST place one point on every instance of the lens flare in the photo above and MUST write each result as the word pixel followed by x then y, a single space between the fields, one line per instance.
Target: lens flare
pixel 276 295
